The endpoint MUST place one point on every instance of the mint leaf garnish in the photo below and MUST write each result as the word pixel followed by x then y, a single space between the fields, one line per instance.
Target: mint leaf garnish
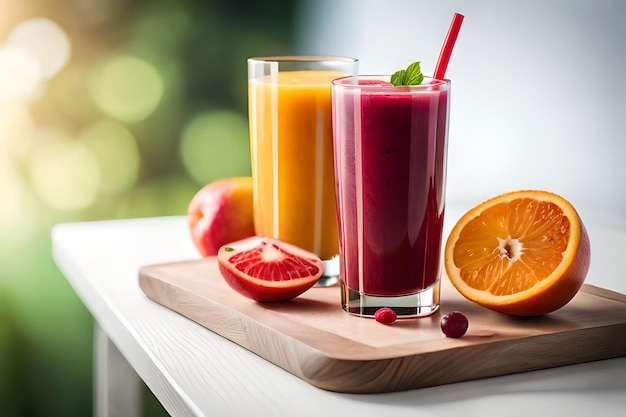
pixel 412 75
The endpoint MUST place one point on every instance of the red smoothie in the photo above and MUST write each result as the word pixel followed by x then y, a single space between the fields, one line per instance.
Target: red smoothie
pixel 390 159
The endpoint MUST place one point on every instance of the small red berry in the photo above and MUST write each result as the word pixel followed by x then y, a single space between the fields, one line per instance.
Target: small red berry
pixel 385 315
pixel 454 324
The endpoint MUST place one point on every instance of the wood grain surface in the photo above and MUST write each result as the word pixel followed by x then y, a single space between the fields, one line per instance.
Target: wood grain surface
pixel 314 339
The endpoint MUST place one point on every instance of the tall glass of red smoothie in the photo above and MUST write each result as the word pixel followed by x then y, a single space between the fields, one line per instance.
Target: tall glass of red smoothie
pixel 390 150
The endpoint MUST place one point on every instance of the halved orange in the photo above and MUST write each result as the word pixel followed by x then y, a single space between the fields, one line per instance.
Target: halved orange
pixel 523 253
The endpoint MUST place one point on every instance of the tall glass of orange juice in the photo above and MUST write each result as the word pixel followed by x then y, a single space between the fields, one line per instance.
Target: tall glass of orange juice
pixel 291 146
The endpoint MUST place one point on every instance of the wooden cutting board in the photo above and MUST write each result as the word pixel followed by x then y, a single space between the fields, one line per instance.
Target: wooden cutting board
pixel 314 339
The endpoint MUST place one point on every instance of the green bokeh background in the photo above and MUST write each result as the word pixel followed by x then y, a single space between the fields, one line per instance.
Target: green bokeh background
pixel 150 106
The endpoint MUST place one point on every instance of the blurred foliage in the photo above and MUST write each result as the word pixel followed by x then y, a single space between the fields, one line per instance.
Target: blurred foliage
pixel 133 106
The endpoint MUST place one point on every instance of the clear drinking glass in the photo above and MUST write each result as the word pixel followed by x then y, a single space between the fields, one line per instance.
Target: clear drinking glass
pixel 390 162
pixel 292 151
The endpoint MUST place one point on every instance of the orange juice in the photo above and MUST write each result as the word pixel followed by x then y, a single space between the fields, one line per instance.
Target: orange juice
pixel 292 159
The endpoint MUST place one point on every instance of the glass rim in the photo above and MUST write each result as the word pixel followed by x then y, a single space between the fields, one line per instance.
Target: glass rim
pixel 344 82
pixel 302 58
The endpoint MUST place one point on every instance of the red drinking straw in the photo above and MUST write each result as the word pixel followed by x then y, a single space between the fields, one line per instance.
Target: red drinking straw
pixel 446 49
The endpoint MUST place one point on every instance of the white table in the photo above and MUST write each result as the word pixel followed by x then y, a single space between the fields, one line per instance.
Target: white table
pixel 193 371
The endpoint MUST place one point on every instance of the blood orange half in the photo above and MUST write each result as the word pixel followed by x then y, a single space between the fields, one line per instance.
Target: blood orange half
pixel 266 269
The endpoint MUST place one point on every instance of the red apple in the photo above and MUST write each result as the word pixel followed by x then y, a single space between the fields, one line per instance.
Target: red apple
pixel 220 213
